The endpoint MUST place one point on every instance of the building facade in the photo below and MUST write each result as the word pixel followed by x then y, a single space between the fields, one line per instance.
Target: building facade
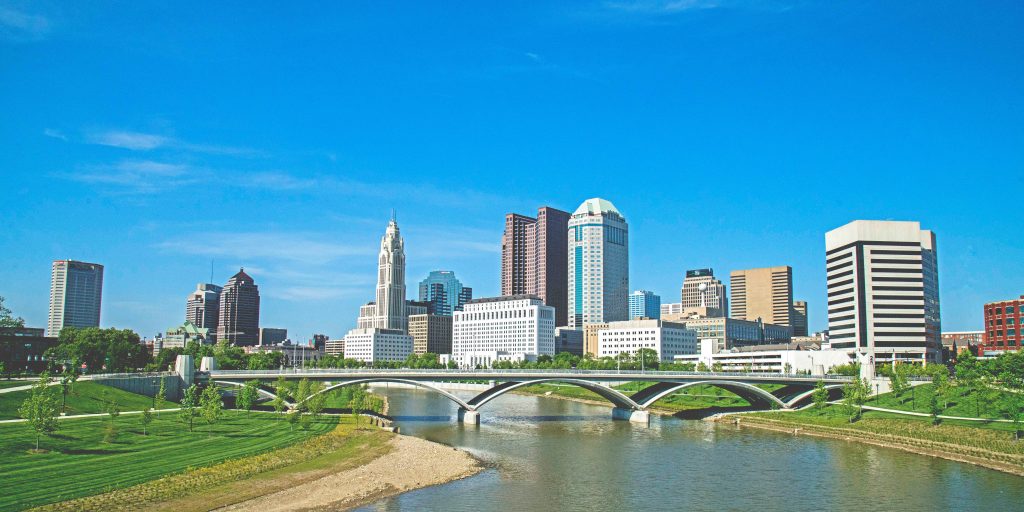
pixel 799 322
pixel 272 335
pixel 370 345
pixel 666 338
pixel 390 304
pixel 76 294
pixel 644 304
pixel 492 328
pixel 23 349
pixel 202 308
pixel 792 358
pixel 431 333
pixel 534 257
pixel 568 340
pixel 442 289
pixel 765 293
pixel 591 338
pixel 1003 327
pixel 335 347
pixel 598 276
pixel 181 336
pixel 883 290
pixel 239 321
pixel 729 333
pixel 702 290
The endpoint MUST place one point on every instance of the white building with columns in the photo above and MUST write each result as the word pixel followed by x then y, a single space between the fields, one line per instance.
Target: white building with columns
pixel 514 328
pixel 666 338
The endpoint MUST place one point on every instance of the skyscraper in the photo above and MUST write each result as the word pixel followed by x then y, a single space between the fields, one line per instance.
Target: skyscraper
pixel 534 254
pixel 203 306
pixel 765 293
pixel 76 293
pixel 643 303
pixel 239 321
pixel 883 290
pixel 390 311
pixel 702 290
pixel 799 318
pixel 598 277
pixel 442 289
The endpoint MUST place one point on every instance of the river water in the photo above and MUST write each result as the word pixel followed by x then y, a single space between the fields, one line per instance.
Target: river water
pixel 550 454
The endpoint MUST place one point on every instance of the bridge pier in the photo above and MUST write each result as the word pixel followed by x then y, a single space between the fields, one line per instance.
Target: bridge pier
pixel 633 415
pixel 470 417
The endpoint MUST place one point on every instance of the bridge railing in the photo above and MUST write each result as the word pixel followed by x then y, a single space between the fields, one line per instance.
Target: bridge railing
pixel 134 375
pixel 473 373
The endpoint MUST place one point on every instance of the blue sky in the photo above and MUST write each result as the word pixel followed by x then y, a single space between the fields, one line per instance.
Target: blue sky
pixel 155 137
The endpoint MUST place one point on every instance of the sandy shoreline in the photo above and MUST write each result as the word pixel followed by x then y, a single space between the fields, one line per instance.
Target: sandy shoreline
pixel 413 463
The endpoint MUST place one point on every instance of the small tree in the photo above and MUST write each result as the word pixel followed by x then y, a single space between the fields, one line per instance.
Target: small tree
pixel 820 395
pixel 189 402
pixel 161 394
pixel 113 411
pixel 40 409
pixel 247 396
pixel 210 404
pixel 701 367
pixel 67 380
pixel 898 381
pixel 293 419
pixel 934 408
pixel 146 418
pixel 787 368
pixel 315 403
pixel 854 395
pixel 941 387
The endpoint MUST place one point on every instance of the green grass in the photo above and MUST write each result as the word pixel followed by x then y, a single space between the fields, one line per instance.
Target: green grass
pixel 961 402
pixel 79 463
pixel 15 383
pixel 85 398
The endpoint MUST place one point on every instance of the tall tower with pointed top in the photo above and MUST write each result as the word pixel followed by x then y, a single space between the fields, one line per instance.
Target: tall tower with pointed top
pixel 391 280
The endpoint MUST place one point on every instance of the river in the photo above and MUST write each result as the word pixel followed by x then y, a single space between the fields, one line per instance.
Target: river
pixel 550 454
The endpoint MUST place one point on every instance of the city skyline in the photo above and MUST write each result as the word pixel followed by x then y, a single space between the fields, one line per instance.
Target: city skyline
pixel 294 187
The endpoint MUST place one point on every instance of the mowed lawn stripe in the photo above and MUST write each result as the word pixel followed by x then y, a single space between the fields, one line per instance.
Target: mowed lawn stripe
pixel 77 466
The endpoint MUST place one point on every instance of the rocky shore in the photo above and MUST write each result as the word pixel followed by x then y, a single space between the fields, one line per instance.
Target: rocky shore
pixel 411 464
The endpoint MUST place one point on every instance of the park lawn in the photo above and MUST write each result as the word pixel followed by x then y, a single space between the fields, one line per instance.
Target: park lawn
pixel 79 463
pixel 961 402
pixel 695 397
pixel 15 383
pixel 85 398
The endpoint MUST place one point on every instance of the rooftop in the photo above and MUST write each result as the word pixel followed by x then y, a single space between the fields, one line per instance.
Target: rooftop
pixel 596 205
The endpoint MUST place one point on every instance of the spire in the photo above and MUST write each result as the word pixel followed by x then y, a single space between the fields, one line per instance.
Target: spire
pixel 394 216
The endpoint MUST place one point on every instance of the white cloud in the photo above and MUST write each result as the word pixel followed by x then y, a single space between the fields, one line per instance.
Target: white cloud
pixel 135 176
pixel 309 248
pixel 128 140
pixel 22 27
pixel 57 134
pixel 661 7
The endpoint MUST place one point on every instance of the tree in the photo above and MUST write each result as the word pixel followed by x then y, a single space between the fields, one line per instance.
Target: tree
pixel 898 381
pixel 315 403
pixel 113 411
pixel 934 408
pixel 115 350
pixel 40 409
pixel 701 367
pixel 787 369
pixel 854 395
pixel 820 395
pixel 146 418
pixel 293 419
pixel 210 404
pixel 248 395
pixel 7 319
pixel 941 387
pixel 648 358
pixel 189 402
pixel 161 394
pixel 302 392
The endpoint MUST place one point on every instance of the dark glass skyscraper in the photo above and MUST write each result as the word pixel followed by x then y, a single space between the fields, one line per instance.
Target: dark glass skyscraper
pixel 534 258
pixel 444 292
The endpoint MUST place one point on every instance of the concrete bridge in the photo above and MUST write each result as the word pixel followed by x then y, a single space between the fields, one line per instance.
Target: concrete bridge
pixel 795 390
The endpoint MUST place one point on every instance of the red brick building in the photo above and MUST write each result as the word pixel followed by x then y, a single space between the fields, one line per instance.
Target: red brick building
pixel 1003 326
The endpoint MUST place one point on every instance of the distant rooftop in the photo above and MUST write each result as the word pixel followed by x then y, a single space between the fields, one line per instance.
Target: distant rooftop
pixel 504 298
pixel 596 205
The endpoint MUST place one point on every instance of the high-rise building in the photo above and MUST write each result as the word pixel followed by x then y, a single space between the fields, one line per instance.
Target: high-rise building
pixel 883 290
pixel 76 293
pixel 320 341
pixel 1002 327
pixel 568 340
pixel 765 293
pixel 503 328
pixel 702 290
pixel 598 276
pixel 643 303
pixel 534 257
pixel 272 335
pixel 239 321
pixel 202 308
pixel 390 311
pixel 431 333
pixel 799 321
pixel 445 292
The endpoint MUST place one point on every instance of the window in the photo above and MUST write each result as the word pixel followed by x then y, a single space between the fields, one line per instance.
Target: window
pixel 1010 309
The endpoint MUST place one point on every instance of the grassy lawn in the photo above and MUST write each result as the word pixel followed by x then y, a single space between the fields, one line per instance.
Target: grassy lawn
pixel 961 402
pixel 695 397
pixel 85 398
pixel 79 463
pixel 15 383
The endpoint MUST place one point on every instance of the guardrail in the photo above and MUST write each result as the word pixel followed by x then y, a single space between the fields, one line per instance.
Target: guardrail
pixel 517 372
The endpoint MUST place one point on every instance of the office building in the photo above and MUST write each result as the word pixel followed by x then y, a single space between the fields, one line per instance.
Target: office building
pixel 294 355
pixel 23 349
pixel 534 258
pixel 239 321
pixel 729 333
pixel 784 358
pixel 666 338
pixel 598 264
pixel 799 320
pixel 568 340
pixel 272 335
pixel 503 328
pixel 953 343
pixel 76 293
pixel 590 337
pixel 883 290
pixel 334 347
pixel 445 292
pixel 644 304
pixel 390 304
pixel 320 342
pixel 1003 327
pixel 202 308
pixel 431 333
pixel 702 290
pixel 765 293
pixel 370 345
pixel 181 336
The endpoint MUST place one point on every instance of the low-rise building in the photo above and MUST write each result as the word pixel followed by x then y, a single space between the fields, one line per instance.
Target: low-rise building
pixel 785 358
pixel 666 338
pixel 729 333
pixel 272 335
pixel 294 355
pixel 181 336
pixel 568 340
pixel 23 349
pixel 335 347
pixel 590 337
pixel 510 326
pixel 370 345
pixel 1003 331
pixel 431 333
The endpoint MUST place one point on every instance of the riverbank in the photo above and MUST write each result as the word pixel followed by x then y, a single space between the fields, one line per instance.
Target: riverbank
pixel 985 448
pixel 411 463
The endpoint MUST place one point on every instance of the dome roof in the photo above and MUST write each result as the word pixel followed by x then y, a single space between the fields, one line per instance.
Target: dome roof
pixel 596 205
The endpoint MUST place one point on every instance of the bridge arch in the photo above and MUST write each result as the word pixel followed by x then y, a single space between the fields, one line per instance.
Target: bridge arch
pixel 261 391
pixel 612 395
pixel 375 380
pixel 798 399
pixel 749 392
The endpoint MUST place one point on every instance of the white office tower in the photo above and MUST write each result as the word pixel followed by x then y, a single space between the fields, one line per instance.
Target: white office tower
pixel 513 328
pixel 598 264
pixel 883 290
pixel 666 338
pixel 76 291
pixel 391 280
